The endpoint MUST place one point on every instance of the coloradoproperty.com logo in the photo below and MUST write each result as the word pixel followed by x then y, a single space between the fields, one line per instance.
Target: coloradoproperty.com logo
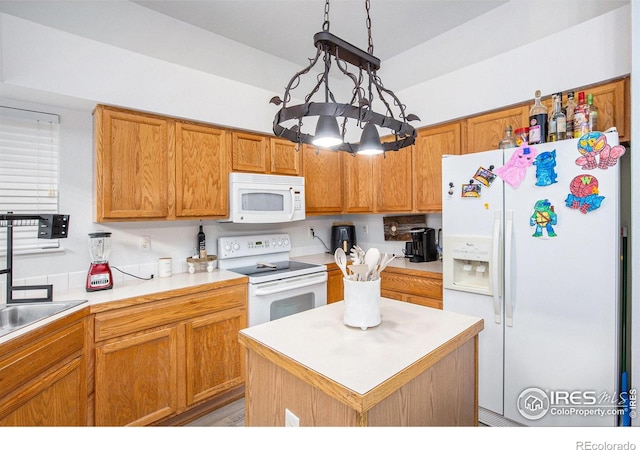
pixel 534 403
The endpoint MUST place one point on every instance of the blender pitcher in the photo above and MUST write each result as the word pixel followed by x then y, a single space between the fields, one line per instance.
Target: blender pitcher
pixel 99 276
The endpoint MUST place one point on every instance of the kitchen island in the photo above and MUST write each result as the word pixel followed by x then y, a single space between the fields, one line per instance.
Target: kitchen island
pixel 417 368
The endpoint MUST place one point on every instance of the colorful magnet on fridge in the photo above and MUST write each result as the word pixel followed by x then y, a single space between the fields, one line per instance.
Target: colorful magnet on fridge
pixel 485 176
pixel 584 194
pixel 514 171
pixel 543 217
pixel 471 190
pixel 545 164
pixel 596 152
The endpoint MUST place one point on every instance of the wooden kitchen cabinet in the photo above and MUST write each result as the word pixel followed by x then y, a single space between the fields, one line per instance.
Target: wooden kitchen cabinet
pixel 286 158
pixel 335 283
pixel 132 165
pixel 201 171
pixel 250 152
pixel 161 358
pixel 485 131
pixel 261 154
pixel 392 175
pixel 431 144
pixel 151 167
pixel 43 375
pixel 358 183
pixel 413 286
pixel 323 173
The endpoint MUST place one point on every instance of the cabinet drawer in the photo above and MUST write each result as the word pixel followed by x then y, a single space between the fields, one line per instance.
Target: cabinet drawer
pixel 28 362
pixel 415 299
pixel 137 318
pixel 423 287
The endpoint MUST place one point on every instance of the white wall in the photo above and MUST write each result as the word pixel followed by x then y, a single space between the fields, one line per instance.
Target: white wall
pixel 43 64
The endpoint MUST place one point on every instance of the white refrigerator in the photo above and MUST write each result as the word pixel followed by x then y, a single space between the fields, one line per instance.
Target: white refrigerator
pixel 531 243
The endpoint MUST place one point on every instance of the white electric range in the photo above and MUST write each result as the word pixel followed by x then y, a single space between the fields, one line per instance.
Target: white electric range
pixel 278 286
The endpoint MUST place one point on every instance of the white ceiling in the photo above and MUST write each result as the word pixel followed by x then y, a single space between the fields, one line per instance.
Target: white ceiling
pixel 263 42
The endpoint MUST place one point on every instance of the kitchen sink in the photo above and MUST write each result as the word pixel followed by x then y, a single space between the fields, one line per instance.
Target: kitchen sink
pixel 16 316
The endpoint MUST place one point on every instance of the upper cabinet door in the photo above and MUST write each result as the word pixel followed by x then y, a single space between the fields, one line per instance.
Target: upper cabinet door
pixel 250 153
pixel 201 162
pixel 286 158
pixel 612 99
pixel 484 132
pixel 431 144
pixel 323 176
pixel 358 183
pixel 132 174
pixel 392 175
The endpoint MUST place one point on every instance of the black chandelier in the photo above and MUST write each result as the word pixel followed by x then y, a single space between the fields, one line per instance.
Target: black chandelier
pixel 328 134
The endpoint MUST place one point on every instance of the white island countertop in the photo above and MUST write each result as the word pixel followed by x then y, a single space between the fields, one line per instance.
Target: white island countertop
pixel 361 360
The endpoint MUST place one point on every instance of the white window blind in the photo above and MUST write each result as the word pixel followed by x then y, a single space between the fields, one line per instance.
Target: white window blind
pixel 29 143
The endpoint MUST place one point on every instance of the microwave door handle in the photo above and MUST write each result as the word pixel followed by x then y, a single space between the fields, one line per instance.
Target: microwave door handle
pixel 293 204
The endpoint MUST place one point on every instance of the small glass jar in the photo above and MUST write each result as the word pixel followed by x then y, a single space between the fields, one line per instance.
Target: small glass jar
pixel 522 136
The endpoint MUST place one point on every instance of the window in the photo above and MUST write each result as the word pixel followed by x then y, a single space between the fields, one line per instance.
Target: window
pixel 28 172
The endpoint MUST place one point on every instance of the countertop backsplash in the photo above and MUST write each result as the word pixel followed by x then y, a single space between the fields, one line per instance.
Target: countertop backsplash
pixel 177 239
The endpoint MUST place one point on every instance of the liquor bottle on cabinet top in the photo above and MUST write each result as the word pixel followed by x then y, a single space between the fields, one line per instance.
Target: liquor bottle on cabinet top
pixel 509 140
pixel 538 118
pixel 558 121
pixel 593 114
pixel 570 107
pixel 580 117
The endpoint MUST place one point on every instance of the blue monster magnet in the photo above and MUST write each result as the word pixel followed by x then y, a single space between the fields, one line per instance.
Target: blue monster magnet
pixel 546 168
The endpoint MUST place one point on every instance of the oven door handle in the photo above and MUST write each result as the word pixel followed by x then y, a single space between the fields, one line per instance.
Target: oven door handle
pixel 283 286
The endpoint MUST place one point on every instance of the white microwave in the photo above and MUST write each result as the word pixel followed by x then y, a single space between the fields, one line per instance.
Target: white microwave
pixel 257 198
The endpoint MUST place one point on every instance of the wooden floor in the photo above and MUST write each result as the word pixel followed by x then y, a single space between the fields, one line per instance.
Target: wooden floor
pixel 231 415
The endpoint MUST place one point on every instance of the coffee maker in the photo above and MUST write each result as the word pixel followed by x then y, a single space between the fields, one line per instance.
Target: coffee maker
pixel 424 245
pixel 343 235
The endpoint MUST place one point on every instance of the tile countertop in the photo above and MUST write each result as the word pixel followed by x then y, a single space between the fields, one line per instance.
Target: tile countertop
pixel 398 262
pixel 361 360
pixel 99 300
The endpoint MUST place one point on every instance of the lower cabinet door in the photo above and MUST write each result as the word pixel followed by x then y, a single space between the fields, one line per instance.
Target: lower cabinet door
pixel 136 378
pixel 57 398
pixel 214 357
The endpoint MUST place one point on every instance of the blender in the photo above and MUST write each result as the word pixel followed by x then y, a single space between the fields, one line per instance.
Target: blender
pixel 99 276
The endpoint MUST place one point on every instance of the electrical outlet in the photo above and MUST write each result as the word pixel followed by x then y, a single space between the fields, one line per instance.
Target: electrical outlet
pixel 365 229
pixel 145 243
pixel 310 232
pixel 290 419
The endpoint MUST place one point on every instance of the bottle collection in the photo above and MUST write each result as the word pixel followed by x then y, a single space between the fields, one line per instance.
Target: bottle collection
pixel 565 121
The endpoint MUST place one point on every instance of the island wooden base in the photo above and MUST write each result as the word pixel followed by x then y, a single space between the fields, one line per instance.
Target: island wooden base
pixel 444 394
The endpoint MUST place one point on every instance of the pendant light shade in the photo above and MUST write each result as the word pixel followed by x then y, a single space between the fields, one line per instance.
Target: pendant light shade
pixel 370 141
pixel 327 132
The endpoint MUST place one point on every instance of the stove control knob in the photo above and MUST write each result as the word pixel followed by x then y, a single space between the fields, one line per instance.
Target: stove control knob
pixel 286 242
pixel 279 242
pixel 236 246
pixel 227 246
pixel 274 242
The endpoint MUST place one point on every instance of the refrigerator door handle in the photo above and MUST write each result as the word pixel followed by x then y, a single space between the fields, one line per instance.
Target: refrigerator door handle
pixel 508 301
pixel 496 270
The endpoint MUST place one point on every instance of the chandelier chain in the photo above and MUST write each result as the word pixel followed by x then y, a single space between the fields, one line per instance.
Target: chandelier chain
pixel 325 24
pixel 367 6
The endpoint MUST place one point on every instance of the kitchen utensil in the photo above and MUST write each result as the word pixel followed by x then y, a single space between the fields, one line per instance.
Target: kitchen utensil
pixel 360 271
pixel 357 255
pixel 341 260
pixel 384 263
pixel 371 259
